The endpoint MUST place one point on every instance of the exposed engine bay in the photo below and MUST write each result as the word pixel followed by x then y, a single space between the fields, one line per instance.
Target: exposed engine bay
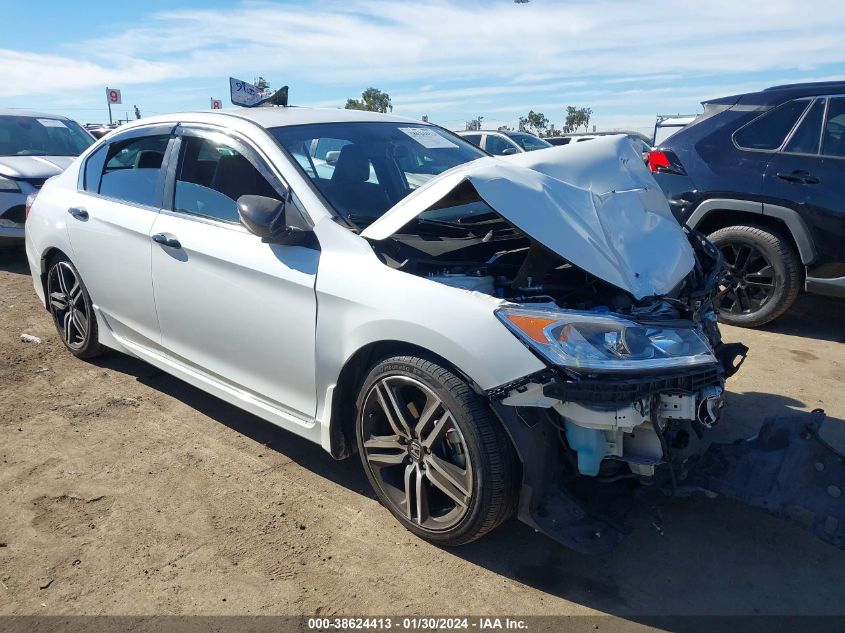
pixel 613 424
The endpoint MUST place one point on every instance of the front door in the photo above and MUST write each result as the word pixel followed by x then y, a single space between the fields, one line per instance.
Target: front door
pixel 242 311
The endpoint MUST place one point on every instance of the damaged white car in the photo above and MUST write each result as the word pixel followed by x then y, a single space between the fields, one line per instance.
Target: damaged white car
pixel 491 335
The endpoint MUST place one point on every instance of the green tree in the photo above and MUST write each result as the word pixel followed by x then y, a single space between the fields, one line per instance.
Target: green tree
pixel 576 117
pixel 372 99
pixel 535 122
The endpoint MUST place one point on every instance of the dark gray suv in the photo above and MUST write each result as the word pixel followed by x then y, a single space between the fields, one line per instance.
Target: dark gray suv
pixel 763 174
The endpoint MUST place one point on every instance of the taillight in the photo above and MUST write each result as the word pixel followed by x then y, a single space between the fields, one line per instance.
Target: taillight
pixel 658 159
pixel 664 162
pixel 30 199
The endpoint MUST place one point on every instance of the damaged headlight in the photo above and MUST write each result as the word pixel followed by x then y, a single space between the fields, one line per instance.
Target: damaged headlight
pixel 587 340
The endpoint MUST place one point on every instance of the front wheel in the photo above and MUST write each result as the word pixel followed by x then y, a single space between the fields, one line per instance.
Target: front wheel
pixel 70 305
pixel 431 450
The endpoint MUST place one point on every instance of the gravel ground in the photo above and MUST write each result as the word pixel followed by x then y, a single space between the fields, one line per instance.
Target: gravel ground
pixel 126 491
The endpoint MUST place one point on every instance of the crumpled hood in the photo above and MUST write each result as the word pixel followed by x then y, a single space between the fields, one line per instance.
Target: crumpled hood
pixel 34 166
pixel 595 204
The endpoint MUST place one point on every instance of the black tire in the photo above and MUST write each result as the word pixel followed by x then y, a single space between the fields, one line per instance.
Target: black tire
pixel 765 275
pixel 77 330
pixel 471 435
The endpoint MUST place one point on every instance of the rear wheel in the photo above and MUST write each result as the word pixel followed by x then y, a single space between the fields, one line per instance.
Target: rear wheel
pixel 71 308
pixel 435 457
pixel 764 275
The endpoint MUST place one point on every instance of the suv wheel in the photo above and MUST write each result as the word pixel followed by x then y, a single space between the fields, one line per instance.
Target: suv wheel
pixel 71 308
pixel 432 452
pixel 764 275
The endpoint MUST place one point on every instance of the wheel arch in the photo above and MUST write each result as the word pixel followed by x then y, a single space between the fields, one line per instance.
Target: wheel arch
pixel 718 213
pixel 46 257
pixel 342 416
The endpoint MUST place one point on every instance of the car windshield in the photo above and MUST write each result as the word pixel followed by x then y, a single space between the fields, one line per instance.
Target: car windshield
pixel 529 142
pixel 364 168
pixel 41 136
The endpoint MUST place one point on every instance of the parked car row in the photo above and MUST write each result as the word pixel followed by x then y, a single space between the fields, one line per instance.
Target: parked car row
pixel 505 143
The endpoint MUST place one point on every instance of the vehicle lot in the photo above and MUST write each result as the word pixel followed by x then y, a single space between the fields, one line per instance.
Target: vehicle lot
pixel 127 491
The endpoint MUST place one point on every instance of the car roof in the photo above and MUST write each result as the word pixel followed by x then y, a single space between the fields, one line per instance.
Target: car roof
pixel 281 116
pixel 480 132
pixel 778 94
pixel 31 113
pixel 268 117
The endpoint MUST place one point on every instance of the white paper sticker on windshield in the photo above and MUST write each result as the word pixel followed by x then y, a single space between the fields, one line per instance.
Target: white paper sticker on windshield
pixel 428 137
pixel 51 123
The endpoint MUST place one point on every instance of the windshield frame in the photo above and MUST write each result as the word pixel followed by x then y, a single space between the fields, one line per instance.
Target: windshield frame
pixel 336 213
pixel 74 128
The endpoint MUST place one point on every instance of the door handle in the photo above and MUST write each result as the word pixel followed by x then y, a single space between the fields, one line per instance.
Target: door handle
pixel 78 212
pixel 170 242
pixel 799 177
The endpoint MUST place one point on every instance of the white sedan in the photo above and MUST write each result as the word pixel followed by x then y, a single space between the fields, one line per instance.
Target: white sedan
pixel 490 335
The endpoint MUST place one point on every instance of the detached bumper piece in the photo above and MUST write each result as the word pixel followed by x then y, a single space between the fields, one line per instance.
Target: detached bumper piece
pixel 787 469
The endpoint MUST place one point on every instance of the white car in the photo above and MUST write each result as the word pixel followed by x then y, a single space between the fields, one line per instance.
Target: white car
pixel 490 335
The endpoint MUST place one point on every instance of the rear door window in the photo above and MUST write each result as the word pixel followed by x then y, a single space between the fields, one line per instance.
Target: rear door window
pixel 768 131
pixel 833 143
pixel 805 140
pixel 133 168
pixel 475 139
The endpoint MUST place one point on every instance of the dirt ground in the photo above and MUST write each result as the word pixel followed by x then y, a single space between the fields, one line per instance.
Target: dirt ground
pixel 126 491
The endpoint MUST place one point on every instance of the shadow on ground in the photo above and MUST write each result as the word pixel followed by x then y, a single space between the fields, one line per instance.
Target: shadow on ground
pixel 710 556
pixel 813 316
pixel 13 260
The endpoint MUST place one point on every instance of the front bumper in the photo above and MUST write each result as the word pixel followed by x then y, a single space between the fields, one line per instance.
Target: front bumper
pixel 788 469
pixel 12 205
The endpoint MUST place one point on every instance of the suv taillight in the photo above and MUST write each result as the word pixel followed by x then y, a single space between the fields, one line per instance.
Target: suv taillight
pixel 657 159
pixel 30 199
pixel 664 162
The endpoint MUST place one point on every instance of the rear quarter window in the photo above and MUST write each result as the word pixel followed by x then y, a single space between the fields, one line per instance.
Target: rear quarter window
pixel 768 131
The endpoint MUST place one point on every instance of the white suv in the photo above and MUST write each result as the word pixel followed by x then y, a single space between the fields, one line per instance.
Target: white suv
pixel 482 331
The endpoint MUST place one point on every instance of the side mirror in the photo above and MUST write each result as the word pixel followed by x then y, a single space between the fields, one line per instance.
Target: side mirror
pixel 509 151
pixel 332 156
pixel 265 217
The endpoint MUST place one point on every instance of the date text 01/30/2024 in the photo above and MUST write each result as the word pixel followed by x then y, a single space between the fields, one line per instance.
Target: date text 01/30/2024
pixel 415 623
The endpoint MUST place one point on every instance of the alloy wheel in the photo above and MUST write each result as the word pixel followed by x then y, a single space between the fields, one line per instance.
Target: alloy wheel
pixel 751 282
pixel 416 453
pixel 67 304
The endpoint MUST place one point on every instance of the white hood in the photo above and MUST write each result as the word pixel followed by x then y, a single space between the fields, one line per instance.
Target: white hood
pixel 595 204
pixel 34 166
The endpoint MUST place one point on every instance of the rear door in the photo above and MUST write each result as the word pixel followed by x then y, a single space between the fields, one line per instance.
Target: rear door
pixel 109 224
pixel 808 175
pixel 242 311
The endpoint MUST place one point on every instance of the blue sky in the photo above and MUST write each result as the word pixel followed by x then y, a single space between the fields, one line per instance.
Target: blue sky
pixel 450 60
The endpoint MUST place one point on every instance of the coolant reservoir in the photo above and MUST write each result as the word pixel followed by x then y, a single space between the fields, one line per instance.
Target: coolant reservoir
pixel 475 283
